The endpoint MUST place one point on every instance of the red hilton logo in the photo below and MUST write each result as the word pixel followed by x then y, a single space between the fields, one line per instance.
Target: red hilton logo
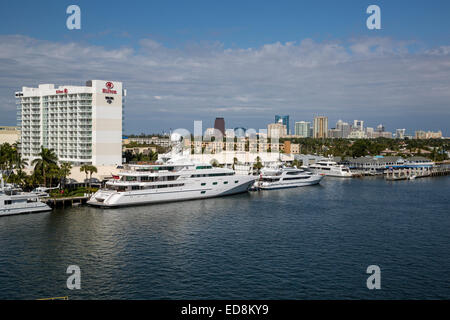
pixel 109 85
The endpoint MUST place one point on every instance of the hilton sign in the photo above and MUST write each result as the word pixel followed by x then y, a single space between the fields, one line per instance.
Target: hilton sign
pixel 109 85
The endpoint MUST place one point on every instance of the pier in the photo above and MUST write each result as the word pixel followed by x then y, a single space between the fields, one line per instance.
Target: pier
pixel 65 202
pixel 410 173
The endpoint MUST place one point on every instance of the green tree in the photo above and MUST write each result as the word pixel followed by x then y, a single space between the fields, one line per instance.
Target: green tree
pixel 47 157
pixel 85 168
pixel 92 169
pixel 64 171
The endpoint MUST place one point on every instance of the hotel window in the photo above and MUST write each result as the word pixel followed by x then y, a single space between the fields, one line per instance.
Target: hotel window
pixel 214 183
pixel 225 182
pixel 236 181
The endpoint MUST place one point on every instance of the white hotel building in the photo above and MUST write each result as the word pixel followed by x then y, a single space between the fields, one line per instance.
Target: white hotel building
pixel 82 124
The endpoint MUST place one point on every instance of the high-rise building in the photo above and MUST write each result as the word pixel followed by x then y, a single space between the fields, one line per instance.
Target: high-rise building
pixel 380 128
pixel 320 127
pixel 400 133
pixel 344 128
pixel 276 130
pixel 82 124
pixel 302 129
pixel 285 121
pixel 358 125
pixel 219 124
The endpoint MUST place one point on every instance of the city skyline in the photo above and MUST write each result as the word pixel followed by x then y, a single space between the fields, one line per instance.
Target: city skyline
pixel 396 76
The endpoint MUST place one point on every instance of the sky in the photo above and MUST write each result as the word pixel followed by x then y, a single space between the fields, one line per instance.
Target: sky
pixel 245 61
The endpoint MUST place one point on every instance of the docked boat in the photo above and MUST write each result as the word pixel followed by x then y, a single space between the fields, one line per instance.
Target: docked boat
pixel 277 178
pixel 330 168
pixel 15 201
pixel 147 184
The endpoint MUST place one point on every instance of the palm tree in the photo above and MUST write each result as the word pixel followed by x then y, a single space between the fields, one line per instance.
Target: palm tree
pixel 46 158
pixel 64 171
pixel 91 170
pixel 85 168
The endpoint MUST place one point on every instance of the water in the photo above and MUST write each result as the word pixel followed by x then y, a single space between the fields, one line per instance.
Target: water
pixel 304 243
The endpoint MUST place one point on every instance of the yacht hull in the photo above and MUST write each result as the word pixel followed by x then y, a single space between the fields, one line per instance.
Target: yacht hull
pixel 225 187
pixel 23 210
pixel 284 185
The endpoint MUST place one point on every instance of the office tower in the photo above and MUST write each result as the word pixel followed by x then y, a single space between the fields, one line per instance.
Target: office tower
pixel 285 121
pixel 219 124
pixel 320 127
pixel 276 130
pixel 400 133
pixel 358 125
pixel 302 129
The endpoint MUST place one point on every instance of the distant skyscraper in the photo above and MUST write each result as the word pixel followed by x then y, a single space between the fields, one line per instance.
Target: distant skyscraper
pixel 380 128
pixel 344 129
pixel 302 129
pixel 358 125
pixel 276 130
pixel 320 127
pixel 285 120
pixel 219 124
pixel 400 133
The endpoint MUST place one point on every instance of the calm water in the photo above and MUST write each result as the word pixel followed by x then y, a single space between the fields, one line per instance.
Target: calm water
pixel 304 243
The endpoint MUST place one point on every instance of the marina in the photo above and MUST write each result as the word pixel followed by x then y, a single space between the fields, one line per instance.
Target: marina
pixel 295 243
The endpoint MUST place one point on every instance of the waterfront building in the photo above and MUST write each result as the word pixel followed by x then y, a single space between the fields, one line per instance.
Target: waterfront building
pixel 276 130
pixel 82 124
pixel 320 127
pixel 9 134
pixel 302 129
pixel 290 148
pixel 285 121
pixel 369 132
pixel 219 124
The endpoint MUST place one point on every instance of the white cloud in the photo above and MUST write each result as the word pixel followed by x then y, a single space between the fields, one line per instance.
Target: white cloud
pixel 372 78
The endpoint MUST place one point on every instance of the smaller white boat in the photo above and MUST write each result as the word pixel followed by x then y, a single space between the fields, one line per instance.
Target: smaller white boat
pixel 413 177
pixel 330 168
pixel 277 178
pixel 15 201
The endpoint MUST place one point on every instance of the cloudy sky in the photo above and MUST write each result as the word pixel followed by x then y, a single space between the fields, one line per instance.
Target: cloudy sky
pixel 185 61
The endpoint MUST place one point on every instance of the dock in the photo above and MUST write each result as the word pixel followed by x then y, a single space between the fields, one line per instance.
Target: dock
pixel 66 201
pixel 440 169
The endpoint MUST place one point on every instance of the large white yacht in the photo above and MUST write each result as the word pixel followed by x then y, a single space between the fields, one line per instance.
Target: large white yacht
pixel 277 178
pixel 14 201
pixel 330 168
pixel 145 184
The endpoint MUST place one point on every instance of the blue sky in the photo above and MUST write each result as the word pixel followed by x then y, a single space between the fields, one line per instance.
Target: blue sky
pixel 244 60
